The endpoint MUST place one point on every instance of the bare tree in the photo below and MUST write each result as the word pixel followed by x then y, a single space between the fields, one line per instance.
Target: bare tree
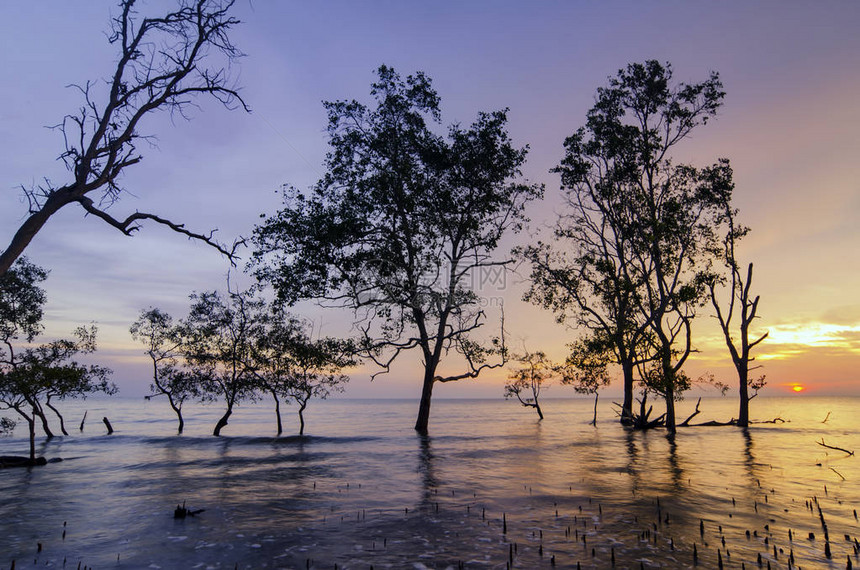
pixel 165 63
pixel 742 304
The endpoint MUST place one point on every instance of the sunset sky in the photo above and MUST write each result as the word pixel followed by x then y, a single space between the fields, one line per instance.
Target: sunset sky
pixel 790 126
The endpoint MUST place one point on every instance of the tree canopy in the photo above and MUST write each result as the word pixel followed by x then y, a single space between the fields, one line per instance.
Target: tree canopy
pixel 401 224
pixel 636 240
pixel 31 375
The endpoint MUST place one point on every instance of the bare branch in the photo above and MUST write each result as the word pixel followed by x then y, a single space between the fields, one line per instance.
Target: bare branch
pixel 163 64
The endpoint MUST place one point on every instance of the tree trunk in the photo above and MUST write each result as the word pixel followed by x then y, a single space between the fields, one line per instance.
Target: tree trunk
pixel 627 417
pixel 426 394
pixel 537 407
pixel 41 414
pixel 278 412
pixel 29 229
pixel 594 420
pixel 59 415
pixel 670 409
pixel 223 421
pixel 302 417
pixel 743 390
pixel 31 424
pixel 178 411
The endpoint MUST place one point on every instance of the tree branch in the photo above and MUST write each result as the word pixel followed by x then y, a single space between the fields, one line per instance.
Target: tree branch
pixel 130 225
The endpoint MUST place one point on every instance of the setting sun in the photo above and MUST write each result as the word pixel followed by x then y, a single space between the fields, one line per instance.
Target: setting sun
pixel 797 388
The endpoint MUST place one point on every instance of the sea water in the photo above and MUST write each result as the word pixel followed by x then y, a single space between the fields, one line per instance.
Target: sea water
pixel 489 487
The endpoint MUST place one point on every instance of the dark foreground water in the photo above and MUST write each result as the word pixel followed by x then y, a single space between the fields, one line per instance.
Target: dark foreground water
pixel 489 487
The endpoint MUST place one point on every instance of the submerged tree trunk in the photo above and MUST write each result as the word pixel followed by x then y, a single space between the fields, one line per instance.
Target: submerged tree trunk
pixel 278 412
pixel 302 406
pixel 37 411
pixel 670 409
pixel 223 421
pixel 743 392
pixel 426 393
pixel 594 419
pixel 31 424
pixel 178 411
pixel 59 416
pixel 537 408
pixel 627 417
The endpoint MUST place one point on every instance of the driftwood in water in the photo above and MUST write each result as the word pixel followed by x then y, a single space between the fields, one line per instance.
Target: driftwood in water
pixel 691 416
pixel 20 461
pixel 107 425
pixel 822 444
pixel 84 419
pixel 181 512
pixel 776 420
pixel 641 422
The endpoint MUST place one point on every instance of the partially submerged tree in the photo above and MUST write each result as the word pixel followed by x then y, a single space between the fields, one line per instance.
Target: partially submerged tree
pixel 219 336
pixel 290 365
pixel 30 375
pixel 316 373
pixel 399 227
pixel 586 367
pixel 164 342
pixel 641 227
pixel 165 63
pixel 526 382
pixel 740 304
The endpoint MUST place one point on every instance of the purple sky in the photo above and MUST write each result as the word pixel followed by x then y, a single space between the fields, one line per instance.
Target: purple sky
pixel 790 125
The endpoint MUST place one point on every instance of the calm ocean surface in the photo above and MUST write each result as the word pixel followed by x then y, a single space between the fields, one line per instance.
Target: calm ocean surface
pixel 491 486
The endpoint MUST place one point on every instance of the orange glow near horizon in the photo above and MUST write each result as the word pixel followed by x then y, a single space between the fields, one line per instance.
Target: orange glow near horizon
pixel 797 387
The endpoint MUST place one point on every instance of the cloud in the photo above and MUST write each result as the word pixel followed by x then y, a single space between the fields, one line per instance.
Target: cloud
pixel 792 340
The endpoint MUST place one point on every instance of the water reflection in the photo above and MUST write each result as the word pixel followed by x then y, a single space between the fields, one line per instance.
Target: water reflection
pixel 632 458
pixel 676 470
pixel 426 471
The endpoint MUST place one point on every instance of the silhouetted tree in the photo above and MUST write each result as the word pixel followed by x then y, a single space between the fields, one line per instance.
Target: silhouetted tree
pixel 6 428
pixel 585 278
pixel 30 375
pixel 742 304
pixel 163 340
pixel 219 335
pixel 289 364
pixel 525 383
pixel 164 63
pixel 586 367
pixel 400 225
pixel 642 227
pixel 316 373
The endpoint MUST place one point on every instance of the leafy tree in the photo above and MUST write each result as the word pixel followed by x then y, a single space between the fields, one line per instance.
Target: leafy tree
pixel 399 226
pixel 525 383
pixel 289 364
pixel 584 277
pixel 586 367
pixel 164 63
pixel 219 335
pixel 163 340
pixel 742 304
pixel 30 375
pixel 6 426
pixel 642 227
